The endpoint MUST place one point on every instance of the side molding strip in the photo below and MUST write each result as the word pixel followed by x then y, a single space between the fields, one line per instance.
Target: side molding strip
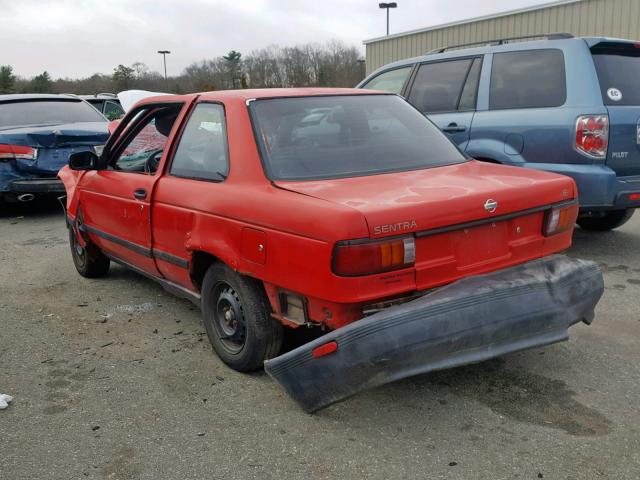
pixel 147 252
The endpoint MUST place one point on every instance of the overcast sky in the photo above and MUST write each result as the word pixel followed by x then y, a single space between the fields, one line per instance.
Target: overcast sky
pixel 76 38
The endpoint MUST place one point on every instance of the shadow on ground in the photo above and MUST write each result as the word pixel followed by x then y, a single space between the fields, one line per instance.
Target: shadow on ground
pixel 42 208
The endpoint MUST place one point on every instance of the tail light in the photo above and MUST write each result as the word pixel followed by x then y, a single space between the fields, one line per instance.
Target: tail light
pixel 560 219
pixel 10 152
pixel 592 135
pixel 365 257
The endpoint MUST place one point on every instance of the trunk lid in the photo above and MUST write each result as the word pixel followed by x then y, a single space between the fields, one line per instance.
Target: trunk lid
pixel 618 67
pixel 55 143
pixel 428 199
pixel 444 207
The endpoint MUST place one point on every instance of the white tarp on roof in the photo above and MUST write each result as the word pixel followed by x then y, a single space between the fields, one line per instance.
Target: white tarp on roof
pixel 128 98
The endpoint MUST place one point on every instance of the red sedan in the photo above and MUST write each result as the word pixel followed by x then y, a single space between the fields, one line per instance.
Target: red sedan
pixel 342 210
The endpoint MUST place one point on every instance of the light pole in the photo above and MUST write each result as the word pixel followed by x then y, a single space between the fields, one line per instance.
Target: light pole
pixel 387 6
pixel 164 54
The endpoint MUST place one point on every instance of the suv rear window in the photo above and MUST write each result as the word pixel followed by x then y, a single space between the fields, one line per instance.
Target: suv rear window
pixel 304 138
pixel 46 112
pixel 618 67
pixel 528 79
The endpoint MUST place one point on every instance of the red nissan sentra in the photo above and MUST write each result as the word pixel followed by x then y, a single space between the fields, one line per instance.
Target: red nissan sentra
pixel 337 209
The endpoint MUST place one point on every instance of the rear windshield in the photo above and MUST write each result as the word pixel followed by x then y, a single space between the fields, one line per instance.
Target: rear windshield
pixel 46 112
pixel 618 67
pixel 346 136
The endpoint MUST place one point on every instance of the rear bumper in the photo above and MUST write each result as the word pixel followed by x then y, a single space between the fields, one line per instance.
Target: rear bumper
pixel 36 185
pixel 468 321
pixel 599 188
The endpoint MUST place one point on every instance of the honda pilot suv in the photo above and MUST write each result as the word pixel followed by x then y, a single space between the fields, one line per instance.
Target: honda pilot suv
pixel 557 103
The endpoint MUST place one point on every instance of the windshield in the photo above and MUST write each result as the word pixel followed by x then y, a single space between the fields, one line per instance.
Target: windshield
pixel 304 138
pixel 618 67
pixel 46 112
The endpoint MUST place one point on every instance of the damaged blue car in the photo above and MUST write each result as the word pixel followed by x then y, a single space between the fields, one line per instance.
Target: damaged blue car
pixel 38 133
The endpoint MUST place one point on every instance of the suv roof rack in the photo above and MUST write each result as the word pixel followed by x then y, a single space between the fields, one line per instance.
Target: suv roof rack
pixel 502 41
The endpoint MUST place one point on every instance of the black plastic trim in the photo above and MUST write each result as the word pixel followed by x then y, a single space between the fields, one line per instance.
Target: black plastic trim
pixel 120 241
pixel 173 259
pixel 498 218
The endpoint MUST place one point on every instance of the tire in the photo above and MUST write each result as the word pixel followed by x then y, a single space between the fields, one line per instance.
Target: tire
pixel 237 317
pixel 90 262
pixel 609 221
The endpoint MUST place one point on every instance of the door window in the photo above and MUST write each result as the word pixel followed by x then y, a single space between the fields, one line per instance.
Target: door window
pixel 202 151
pixel 391 81
pixel 149 135
pixel 528 79
pixel 440 86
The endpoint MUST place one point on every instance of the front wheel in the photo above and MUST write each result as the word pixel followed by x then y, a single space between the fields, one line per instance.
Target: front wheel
pixel 609 221
pixel 90 262
pixel 237 318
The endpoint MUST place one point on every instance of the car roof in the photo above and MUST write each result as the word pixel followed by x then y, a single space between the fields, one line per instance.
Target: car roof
pixel 20 97
pixel 259 93
pixel 492 48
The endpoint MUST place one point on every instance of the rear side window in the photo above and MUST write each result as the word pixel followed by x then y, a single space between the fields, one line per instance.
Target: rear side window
pixel 202 151
pixel 391 81
pixel 446 86
pixel 528 79
pixel 618 67
pixel 112 110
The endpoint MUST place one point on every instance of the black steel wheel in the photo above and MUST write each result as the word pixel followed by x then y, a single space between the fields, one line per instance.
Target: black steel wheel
pixel 89 261
pixel 229 321
pixel 237 318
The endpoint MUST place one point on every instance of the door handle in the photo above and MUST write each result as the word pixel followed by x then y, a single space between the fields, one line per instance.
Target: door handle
pixel 453 127
pixel 140 193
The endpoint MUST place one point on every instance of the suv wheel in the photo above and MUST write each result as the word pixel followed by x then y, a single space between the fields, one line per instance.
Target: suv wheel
pixel 609 221
pixel 90 262
pixel 237 317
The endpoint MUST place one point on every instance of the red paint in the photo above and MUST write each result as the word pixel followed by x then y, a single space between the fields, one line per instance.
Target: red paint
pixel 300 223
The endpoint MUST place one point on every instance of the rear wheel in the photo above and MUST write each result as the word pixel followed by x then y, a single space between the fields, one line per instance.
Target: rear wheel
pixel 237 317
pixel 610 220
pixel 90 262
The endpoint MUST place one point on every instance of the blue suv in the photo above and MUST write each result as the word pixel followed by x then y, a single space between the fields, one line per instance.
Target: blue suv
pixel 558 103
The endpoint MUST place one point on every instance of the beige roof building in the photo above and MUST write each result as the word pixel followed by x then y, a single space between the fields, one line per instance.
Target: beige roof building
pixel 611 18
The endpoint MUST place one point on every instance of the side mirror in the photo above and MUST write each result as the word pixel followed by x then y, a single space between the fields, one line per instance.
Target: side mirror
pixel 83 161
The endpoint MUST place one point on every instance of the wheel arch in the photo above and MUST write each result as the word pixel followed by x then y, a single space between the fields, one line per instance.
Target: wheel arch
pixel 200 263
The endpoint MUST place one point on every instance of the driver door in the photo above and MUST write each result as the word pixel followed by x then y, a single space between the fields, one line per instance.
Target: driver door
pixel 116 202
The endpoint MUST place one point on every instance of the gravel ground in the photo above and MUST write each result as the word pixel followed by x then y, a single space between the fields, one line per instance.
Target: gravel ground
pixel 115 379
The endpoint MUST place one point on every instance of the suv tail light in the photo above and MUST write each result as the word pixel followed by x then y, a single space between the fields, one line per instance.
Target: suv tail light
pixel 366 257
pixel 10 152
pixel 560 219
pixel 592 135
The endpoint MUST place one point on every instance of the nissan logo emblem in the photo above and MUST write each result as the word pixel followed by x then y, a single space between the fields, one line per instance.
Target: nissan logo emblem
pixel 490 205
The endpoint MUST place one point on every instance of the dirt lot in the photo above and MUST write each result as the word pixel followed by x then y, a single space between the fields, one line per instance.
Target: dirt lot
pixel 115 379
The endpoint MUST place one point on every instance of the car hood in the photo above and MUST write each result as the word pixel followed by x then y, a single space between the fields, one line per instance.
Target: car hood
pixel 431 198
pixel 54 136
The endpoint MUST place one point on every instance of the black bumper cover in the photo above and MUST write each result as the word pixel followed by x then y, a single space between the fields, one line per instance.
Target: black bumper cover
pixel 468 321
pixel 37 185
